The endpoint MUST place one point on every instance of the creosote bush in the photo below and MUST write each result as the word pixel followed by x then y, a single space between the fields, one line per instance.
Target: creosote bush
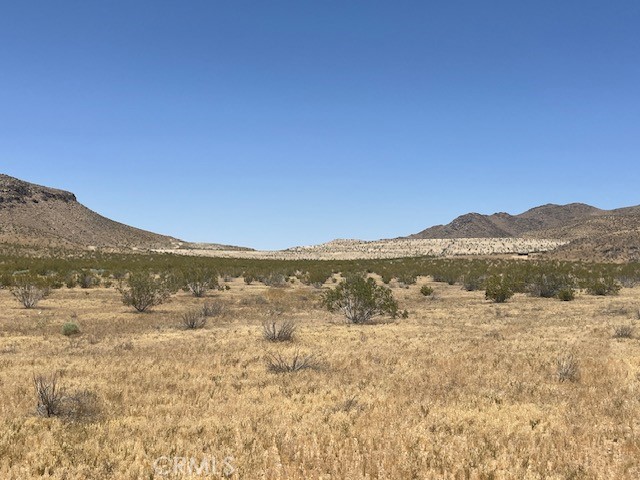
pixel 603 286
pixel 499 288
pixel 143 290
pixel 361 299
pixel 284 332
pixel 28 295
pixel 199 280
pixel 214 309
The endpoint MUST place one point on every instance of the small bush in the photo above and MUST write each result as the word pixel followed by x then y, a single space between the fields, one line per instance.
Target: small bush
pixel 143 291
pixel 566 294
pixel 70 328
pixel 603 286
pixel 249 278
pixel 28 294
pixel 274 279
pixel 214 309
pixel 200 280
pixel 48 395
pixel 499 289
pixel 622 331
pixel 276 363
pixel 549 285
pixel 361 299
pixel 193 319
pixel 426 290
pixel 284 332
pixel 567 368
pixel 473 283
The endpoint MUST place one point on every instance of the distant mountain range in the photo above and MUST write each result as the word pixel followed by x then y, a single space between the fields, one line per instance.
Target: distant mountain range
pixel 36 216
pixel 593 234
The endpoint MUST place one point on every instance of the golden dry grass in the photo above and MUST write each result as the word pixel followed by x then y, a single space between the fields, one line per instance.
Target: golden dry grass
pixel 462 389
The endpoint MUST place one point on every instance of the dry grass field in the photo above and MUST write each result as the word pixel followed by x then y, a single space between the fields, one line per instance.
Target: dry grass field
pixel 462 389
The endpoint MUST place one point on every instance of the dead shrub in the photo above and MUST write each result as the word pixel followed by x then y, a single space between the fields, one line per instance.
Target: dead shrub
pixel 193 320
pixel 567 368
pixel 622 331
pixel 28 294
pixel 277 363
pixel 213 309
pixel 48 395
pixel 284 332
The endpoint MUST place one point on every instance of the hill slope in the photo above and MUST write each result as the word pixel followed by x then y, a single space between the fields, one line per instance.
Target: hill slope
pixel 475 225
pixel 40 216
pixel 593 234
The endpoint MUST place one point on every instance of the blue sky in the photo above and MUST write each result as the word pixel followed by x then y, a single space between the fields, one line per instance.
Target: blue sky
pixel 279 123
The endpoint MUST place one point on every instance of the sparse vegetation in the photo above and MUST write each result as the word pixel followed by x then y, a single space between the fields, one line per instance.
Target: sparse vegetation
pixel 199 280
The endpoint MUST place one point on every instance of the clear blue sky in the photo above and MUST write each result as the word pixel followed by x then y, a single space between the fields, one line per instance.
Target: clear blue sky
pixel 278 123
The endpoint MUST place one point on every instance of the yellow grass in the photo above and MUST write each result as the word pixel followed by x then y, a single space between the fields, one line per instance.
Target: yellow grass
pixel 462 389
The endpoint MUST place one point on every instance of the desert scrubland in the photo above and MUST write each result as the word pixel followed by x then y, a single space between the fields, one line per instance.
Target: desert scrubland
pixel 379 249
pixel 462 388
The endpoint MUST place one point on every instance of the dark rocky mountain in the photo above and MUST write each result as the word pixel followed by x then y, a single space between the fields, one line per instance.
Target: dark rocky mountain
pixel 593 234
pixel 41 216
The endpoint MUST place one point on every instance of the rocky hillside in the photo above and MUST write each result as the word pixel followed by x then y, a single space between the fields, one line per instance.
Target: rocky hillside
pixel 475 225
pixel 40 216
pixel 590 233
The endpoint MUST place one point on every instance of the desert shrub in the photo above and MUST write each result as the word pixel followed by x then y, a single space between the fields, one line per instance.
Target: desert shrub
pixel 449 278
pixel 277 363
pixel 48 395
pixel 426 290
pixel 274 279
pixel 361 299
pixel 315 278
pixel 53 401
pixel 284 332
pixel 249 278
pixel 28 294
pixel 603 286
pixel 622 331
pixel 566 294
pixel 143 290
pixel 472 283
pixel 198 280
pixel 498 288
pixel 70 328
pixel 214 309
pixel 549 285
pixel 87 279
pixel 567 368
pixel 407 278
pixel 193 319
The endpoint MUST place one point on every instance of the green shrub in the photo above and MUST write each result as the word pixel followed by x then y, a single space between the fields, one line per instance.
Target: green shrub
pixel 198 280
pixel 361 299
pixel 426 290
pixel 603 286
pixel 549 285
pixel 566 294
pixel 70 328
pixel 144 290
pixel 498 288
